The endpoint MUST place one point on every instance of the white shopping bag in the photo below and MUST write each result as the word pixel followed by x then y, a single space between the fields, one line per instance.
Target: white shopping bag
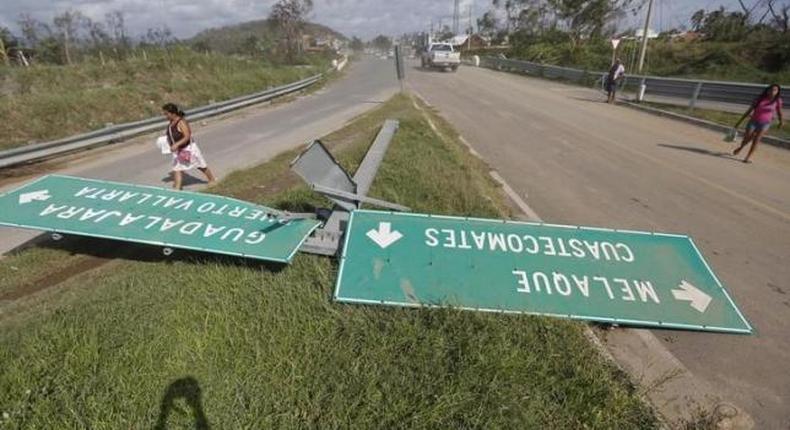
pixel 163 144
pixel 731 135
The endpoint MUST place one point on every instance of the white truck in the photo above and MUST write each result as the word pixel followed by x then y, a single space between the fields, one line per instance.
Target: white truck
pixel 441 55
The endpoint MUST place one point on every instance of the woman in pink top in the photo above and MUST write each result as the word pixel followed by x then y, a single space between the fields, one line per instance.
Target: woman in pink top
pixel 762 111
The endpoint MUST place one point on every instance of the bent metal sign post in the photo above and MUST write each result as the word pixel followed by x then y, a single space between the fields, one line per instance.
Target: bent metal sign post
pixel 155 216
pixel 624 277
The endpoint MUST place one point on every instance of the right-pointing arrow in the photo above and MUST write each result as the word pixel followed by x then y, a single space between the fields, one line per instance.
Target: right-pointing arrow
pixel 689 293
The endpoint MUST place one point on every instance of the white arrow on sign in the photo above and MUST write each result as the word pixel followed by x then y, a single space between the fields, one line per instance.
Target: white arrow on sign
pixel 689 293
pixel 35 195
pixel 384 236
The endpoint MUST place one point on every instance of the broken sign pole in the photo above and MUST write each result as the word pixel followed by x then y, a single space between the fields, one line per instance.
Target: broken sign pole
pixel 323 173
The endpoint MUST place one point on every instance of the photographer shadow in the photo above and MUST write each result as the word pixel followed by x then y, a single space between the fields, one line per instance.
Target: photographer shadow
pixel 188 389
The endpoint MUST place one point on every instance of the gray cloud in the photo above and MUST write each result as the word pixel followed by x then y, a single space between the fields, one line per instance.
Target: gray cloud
pixel 364 18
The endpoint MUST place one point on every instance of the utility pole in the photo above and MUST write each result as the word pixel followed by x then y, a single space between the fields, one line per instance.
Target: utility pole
pixel 642 85
pixel 471 30
pixel 644 37
pixel 457 18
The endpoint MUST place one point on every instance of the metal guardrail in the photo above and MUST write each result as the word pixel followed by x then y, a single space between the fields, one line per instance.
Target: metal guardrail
pixel 737 93
pixel 45 150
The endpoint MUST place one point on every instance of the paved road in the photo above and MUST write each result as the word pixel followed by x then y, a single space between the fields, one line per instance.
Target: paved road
pixel 244 138
pixel 578 161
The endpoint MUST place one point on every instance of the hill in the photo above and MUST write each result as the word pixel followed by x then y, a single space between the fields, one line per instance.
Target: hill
pixel 252 37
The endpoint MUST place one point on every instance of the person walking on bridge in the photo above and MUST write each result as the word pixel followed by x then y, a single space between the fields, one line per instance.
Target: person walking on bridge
pixel 613 78
pixel 762 111
pixel 186 154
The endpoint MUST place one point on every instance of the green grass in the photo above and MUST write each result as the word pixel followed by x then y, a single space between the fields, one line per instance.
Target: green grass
pixel 237 344
pixel 724 118
pixel 47 102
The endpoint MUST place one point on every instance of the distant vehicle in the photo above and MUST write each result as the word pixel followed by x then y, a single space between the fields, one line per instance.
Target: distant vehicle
pixel 441 55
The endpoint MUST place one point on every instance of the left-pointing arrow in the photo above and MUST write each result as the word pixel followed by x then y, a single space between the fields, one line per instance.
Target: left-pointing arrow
pixel 41 195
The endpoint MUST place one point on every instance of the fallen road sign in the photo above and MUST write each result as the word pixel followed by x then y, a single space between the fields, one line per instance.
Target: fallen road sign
pixel 613 276
pixel 155 216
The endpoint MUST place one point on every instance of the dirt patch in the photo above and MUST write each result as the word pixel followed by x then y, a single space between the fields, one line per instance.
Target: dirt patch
pixel 52 279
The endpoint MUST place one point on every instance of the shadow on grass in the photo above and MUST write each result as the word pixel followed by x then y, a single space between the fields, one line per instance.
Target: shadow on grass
pixel 703 151
pixel 188 389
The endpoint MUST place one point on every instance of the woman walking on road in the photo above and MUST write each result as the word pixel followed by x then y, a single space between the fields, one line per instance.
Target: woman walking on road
pixel 613 78
pixel 186 154
pixel 762 111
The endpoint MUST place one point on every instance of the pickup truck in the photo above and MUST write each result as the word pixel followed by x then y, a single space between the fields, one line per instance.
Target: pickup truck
pixel 441 55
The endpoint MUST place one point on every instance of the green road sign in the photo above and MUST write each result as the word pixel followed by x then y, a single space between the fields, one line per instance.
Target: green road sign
pixel 623 277
pixel 155 216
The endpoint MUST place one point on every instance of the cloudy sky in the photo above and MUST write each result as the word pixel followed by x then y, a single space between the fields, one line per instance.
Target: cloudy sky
pixel 364 18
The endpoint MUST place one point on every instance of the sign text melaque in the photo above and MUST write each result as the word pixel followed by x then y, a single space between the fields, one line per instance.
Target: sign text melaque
pixel 533 282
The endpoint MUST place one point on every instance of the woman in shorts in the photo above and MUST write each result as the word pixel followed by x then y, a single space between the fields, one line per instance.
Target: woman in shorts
pixel 762 111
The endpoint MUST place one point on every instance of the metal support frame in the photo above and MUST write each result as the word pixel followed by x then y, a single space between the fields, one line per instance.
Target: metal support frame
pixel 324 175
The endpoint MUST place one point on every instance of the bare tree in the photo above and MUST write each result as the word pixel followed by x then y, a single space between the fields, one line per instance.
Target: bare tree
pixel 33 30
pixel 115 23
pixel 781 15
pixel 289 16
pixel 99 38
pixel 67 24
pixel 160 36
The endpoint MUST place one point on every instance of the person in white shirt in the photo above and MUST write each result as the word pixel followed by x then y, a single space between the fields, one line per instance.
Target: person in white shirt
pixel 616 73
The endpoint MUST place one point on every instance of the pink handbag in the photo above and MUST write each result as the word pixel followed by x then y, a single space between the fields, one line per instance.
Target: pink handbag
pixel 184 155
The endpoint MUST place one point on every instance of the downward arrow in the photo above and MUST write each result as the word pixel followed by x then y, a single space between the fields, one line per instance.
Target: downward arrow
pixel 35 195
pixel 689 293
pixel 384 236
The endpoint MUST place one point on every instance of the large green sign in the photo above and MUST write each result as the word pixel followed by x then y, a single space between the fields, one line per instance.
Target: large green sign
pixel 155 216
pixel 625 277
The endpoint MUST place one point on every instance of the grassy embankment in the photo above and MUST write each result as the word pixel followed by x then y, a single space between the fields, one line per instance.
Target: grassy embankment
pixel 201 340
pixel 46 102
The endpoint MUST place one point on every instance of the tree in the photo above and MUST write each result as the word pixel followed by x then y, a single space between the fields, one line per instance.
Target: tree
pixel 67 25
pixel 289 17
pixel 725 26
pixel 115 23
pixel 781 15
pixel 697 19
pixel 159 36
pixel 357 44
pixel 488 24
pixel 382 42
pixel 587 19
pixel 7 42
pixel 33 30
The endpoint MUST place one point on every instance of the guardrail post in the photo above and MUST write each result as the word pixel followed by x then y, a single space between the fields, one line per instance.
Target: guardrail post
pixel 694 97
pixel 640 96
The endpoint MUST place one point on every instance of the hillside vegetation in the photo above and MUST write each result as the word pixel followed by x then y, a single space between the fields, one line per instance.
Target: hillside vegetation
pixel 759 59
pixel 258 37
pixel 45 102
pixel 748 43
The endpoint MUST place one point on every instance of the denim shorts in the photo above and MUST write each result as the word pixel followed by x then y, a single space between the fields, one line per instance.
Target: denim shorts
pixel 757 126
